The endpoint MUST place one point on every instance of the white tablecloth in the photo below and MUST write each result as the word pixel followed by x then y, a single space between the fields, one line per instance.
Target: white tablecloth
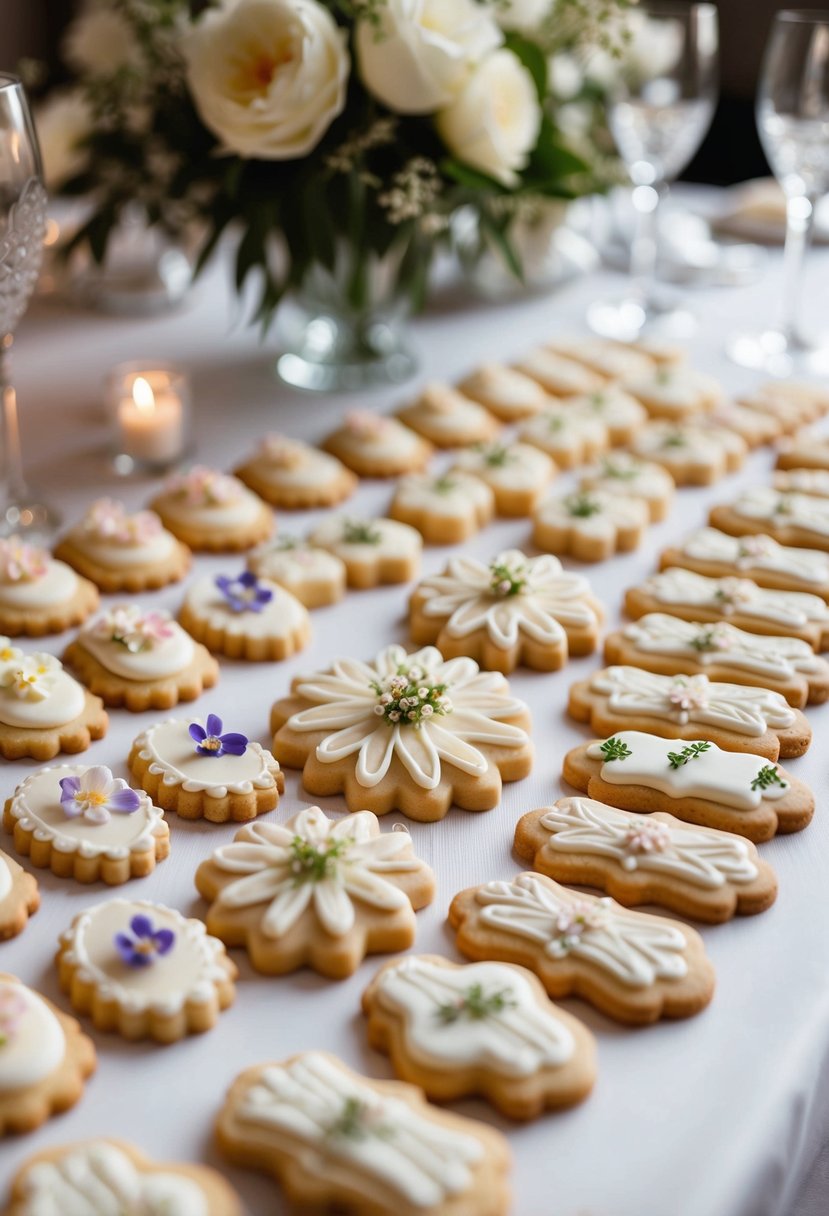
pixel 719 1115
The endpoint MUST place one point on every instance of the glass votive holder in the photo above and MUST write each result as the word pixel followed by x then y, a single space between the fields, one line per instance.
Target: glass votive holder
pixel 150 416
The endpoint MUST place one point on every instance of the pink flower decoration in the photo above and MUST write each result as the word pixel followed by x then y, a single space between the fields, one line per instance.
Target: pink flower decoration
pixel 647 836
pixel 21 563
pixel 755 546
pixel 204 487
pixel 107 519
pixel 689 693
pixel 134 629
pixel 12 1008
pixel 582 915
pixel 283 452
pixel 732 592
pixel 367 425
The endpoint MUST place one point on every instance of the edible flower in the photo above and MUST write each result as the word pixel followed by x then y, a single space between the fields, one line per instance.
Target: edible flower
pixel 96 796
pixel 244 593
pixel 211 741
pixel 143 943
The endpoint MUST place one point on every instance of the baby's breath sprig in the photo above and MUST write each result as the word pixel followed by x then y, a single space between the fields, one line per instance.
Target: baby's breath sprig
pixel 408 699
pixel 507 580
pixel 475 1004
pixel 311 864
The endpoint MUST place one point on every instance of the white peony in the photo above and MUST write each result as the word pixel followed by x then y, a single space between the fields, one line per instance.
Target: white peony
pixel 494 123
pixel 63 122
pixel 419 57
pixel 268 77
pixel 523 15
pixel 99 42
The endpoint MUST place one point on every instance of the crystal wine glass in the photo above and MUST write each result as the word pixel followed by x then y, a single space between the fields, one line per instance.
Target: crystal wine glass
pixel 22 229
pixel 659 110
pixel 793 121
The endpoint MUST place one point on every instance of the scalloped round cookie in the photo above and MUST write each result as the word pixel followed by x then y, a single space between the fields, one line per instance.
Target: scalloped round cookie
pixel 245 617
pixel 123 552
pixel 212 512
pixel 38 594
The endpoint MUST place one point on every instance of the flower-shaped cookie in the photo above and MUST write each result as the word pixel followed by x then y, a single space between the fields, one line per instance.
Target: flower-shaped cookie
pixel 39 595
pixel 374 551
pixel 505 392
pixel 570 436
pixel 512 610
pixel 43 710
pixel 373 445
pixel 590 525
pixel 447 418
pixel 622 474
pixel 621 414
pixel 19 897
pixel 245 617
pixel 693 454
pixel 409 731
pixel 445 509
pixel 313 575
pixel 517 473
pixel 141 660
pixel 294 476
pixel 122 552
pixel 213 512
pixel 316 892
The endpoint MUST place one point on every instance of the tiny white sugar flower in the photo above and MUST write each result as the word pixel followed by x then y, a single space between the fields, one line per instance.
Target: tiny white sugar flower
pixel 32 679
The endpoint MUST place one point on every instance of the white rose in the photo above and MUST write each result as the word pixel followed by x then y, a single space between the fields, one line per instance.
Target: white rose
pixel 62 122
pixel 418 58
pixel 493 125
pixel 524 15
pixel 99 42
pixel 268 77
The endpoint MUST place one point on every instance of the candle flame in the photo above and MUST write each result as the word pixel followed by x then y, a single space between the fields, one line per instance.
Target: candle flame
pixel 143 395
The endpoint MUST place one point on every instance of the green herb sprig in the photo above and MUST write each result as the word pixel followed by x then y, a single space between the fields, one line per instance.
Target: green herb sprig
pixel 475 1004
pixel 615 749
pixel 692 752
pixel 768 775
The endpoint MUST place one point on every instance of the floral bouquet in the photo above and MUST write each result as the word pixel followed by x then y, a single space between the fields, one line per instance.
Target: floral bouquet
pixel 338 136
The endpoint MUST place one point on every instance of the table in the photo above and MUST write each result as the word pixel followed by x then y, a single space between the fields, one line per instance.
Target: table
pixel 720 1115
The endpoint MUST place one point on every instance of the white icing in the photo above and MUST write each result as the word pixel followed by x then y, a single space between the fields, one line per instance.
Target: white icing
pixel 612 406
pixel 344 701
pixel 558 374
pixel 394 539
pixel 187 974
pixel 269 873
pixel 57 586
pixel 36 806
pixel 698 856
pixel 563 429
pixel 5 877
pixel 677 390
pixel 425 1162
pixel 514 1041
pixel 737 596
pixel 724 778
pixel 165 657
pixel 683 699
pixel 723 645
pixel 281 617
pixel 447 413
pixel 172 755
pixel 613 359
pixel 59 700
pixel 117 555
pixel 622 474
pixel 809 513
pixel 290 462
pixel 505 390
pixel 524 467
pixel 238 512
pixel 293 567
pixel 98 1179
pixel 708 446
pixel 549 598
pixel 381 438
pixel 454 495
pixel 634 948
pixel 758 553
pixel 34 1045
pixel 614 511
pixel 803 481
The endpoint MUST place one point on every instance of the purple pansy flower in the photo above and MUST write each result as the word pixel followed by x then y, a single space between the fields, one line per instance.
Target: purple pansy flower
pixel 210 741
pixel 97 795
pixel 143 943
pixel 244 593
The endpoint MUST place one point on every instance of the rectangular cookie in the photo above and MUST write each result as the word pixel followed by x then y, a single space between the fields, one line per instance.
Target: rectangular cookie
pixel 694 455
pixel 770 564
pixel 804 452
pixel 802 481
pixel 670 646
pixel 698 783
pixel 737 717
pixel 792 519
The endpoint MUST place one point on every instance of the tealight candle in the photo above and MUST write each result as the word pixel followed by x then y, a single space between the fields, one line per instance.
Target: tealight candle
pixel 150 417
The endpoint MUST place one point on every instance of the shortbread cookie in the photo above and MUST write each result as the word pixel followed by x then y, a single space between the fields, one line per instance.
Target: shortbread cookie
pixel 675 393
pixel 694 455
pixel 753 427
pixel 372 445
pixel 568 435
pixel 81 822
pixel 621 414
pixel 483 1029
pixel 517 473
pixel 445 510
pixel 740 601
pixel 647 859
pixel 737 717
pixel 802 481
pixel 624 475
pixel 245 617
pixel 697 782
pixel 295 476
pixel 43 710
pixel 121 552
pixel 408 732
pixel 212 512
pixel 632 966
pixel 144 971
pixel 374 551
pixel 590 525
pixel 140 660
pixel 769 564
pixel 39 595
pixel 312 575
pixel 111 1178
pixel 613 360
pixel 790 519
pixel 804 451
pixel 315 892
pixel 447 418
pixel 205 772
pixel 670 646
pixel 44 1059
pixel 559 375
pixel 505 392
pixel 790 401
pixel 662 352
pixel 337 1141
pixel 19 897
pixel 512 610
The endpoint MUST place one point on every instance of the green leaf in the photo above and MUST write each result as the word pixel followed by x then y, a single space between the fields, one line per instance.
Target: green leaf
pixel 471 178
pixel 501 241
pixel 219 225
pixel 250 253
pixel 532 57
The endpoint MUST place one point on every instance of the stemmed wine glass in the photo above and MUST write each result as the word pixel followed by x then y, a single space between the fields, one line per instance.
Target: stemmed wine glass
pixel 22 228
pixel 658 112
pixel 793 121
